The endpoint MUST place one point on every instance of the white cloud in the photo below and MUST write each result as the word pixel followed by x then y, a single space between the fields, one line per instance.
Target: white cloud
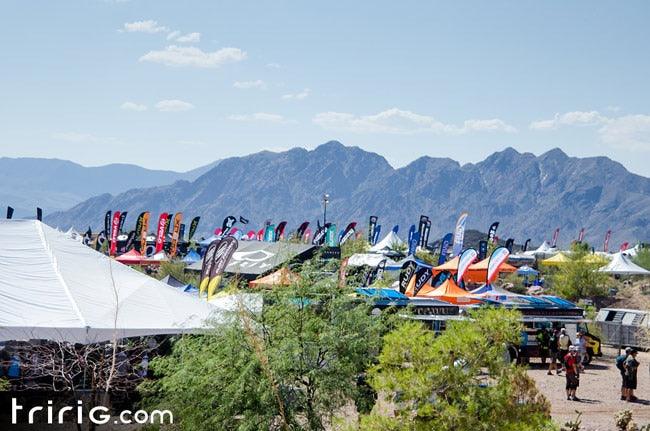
pixel 574 118
pixel 173 35
pixel 298 96
pixel 273 65
pixel 148 26
pixel 245 85
pixel 173 106
pixel 189 38
pixel 261 117
pixel 131 106
pixel 83 138
pixel 397 121
pixel 629 132
pixel 191 56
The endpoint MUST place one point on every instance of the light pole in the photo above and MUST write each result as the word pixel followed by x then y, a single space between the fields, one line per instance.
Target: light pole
pixel 326 199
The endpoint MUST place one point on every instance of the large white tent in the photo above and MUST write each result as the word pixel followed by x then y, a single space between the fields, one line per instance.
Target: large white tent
pixel 389 243
pixel 55 288
pixel 623 265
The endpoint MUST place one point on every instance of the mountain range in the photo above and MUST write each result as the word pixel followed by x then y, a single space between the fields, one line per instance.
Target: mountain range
pixel 57 185
pixel 529 195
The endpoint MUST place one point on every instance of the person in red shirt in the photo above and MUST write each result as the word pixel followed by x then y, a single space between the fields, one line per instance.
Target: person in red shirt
pixel 571 361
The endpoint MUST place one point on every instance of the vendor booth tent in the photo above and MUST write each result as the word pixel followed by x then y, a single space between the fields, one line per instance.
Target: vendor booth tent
pixel 56 288
pixel 623 265
pixel 477 272
pixel 191 257
pixel 448 292
pixel 556 260
pixel 391 242
pixel 281 277
pixel 131 257
pixel 450 265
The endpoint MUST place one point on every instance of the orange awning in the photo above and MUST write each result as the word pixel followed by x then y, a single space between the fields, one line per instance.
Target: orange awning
pixel 448 292
pixel 451 266
pixel 477 273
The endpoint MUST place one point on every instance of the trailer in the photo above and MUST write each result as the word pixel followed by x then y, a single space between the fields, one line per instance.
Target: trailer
pixel 622 327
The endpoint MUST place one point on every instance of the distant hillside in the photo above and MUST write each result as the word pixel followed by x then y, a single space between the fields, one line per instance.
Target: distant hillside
pixel 56 185
pixel 530 195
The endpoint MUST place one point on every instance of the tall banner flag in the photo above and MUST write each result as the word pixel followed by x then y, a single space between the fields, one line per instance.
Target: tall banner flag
pixel 510 242
pixel 406 273
pixel 160 232
pixel 467 258
pixel 396 228
pixel 107 224
pixel 227 224
pixel 115 231
pixel 525 247
pixel 178 219
pixel 499 257
pixel 372 224
pixel 87 237
pixel 421 229
pixel 422 275
pixel 624 246
pixel 427 231
pixel 581 235
pixel 100 240
pixel 122 220
pixel 143 231
pixel 260 234
pixel 168 222
pixel 459 234
pixel 181 234
pixel 39 214
pixel 319 235
pixel 10 212
pixel 556 235
pixel 307 235
pixel 138 231
pixel 376 237
pixel 330 235
pixel 607 237
pixel 243 220
pixel 222 256
pixel 269 233
pixel 301 229
pixel 348 232
pixel 411 233
pixel 194 224
pixel 482 249
pixel 413 243
pixel 130 239
pixel 444 248
pixel 492 232
pixel 375 273
pixel 206 268
pixel 279 231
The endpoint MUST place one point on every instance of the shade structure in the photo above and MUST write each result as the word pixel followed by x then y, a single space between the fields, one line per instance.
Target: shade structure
pixel 131 257
pixel 390 242
pixel 281 277
pixel 527 271
pixel 450 265
pixel 369 259
pixel 496 293
pixel 556 260
pixel 623 265
pixel 191 257
pixel 55 288
pixel 477 273
pixel 448 292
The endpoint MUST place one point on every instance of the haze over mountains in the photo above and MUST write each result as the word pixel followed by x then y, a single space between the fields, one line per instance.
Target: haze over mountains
pixel 530 195
pixel 56 185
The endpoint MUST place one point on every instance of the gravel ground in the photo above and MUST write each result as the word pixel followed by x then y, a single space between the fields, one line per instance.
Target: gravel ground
pixel 599 393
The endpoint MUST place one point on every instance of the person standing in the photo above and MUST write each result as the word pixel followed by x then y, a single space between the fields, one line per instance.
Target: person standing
pixel 572 373
pixel 631 367
pixel 581 344
pixel 620 364
pixel 564 342
pixel 553 352
pixel 542 343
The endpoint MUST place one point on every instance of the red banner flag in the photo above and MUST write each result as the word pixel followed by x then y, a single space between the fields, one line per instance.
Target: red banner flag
pixel 115 231
pixel 160 232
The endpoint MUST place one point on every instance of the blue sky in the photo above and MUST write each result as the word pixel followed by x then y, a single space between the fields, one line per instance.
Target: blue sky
pixel 177 84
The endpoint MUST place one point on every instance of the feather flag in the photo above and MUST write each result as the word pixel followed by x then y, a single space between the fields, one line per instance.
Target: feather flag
pixel 459 234
pixel 498 257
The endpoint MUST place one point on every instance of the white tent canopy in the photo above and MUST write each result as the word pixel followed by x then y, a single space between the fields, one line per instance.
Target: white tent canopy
pixel 370 259
pixel 52 287
pixel 389 243
pixel 623 265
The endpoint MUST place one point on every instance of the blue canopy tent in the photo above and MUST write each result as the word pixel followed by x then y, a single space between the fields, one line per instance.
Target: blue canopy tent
pixel 526 271
pixel 191 257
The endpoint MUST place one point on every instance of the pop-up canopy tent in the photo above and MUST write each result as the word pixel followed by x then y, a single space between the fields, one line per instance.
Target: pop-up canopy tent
pixel 448 292
pixel 623 265
pixel 389 243
pixel 556 260
pixel 131 257
pixel 57 289
pixel 281 277
pixel 191 257
pixel 450 265
pixel 477 272
pixel 369 259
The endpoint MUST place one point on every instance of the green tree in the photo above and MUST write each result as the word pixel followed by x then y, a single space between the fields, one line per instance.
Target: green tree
pixel 579 277
pixel 292 366
pixel 460 380
pixel 643 258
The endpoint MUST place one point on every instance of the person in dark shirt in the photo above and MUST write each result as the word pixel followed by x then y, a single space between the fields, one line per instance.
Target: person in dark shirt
pixel 620 364
pixel 631 367
pixel 553 350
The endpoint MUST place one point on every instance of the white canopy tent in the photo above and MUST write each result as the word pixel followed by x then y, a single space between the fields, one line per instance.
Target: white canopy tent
pixel 389 243
pixel 369 259
pixel 623 265
pixel 52 287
